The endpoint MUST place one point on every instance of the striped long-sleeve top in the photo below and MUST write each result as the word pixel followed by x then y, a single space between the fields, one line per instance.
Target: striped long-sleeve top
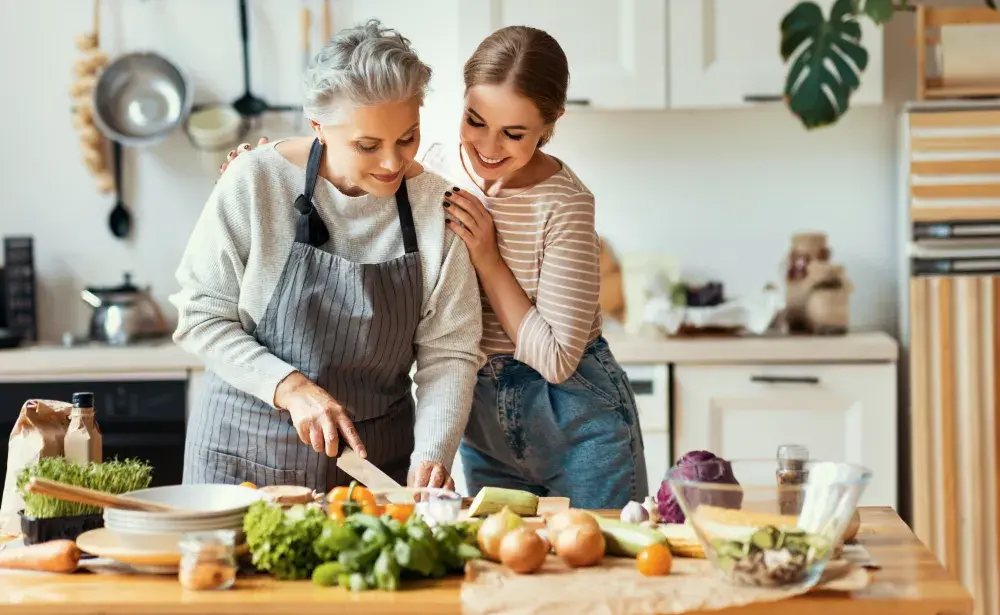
pixel 546 236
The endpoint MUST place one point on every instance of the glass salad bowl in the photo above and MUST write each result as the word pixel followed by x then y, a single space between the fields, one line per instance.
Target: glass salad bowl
pixel 761 532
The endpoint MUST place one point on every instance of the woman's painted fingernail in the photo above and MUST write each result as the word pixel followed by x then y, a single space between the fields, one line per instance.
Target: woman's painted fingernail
pixel 454 188
pixel 446 204
pixel 245 148
pixel 447 194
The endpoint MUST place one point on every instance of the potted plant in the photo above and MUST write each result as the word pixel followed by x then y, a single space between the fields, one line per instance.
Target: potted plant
pixel 827 56
pixel 45 518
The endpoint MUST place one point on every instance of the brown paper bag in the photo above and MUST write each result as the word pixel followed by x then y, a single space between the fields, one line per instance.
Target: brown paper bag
pixel 83 442
pixel 40 431
pixel 616 586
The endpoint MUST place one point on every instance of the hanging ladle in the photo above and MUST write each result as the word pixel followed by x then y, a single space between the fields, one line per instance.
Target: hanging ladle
pixel 119 220
pixel 248 105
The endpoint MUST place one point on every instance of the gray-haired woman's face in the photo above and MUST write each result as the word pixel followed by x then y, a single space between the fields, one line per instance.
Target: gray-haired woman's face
pixel 372 147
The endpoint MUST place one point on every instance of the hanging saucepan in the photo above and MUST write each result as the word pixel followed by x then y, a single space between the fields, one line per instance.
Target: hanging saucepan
pixel 139 98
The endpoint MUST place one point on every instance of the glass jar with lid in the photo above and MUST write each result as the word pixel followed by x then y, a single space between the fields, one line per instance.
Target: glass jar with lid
pixel 208 560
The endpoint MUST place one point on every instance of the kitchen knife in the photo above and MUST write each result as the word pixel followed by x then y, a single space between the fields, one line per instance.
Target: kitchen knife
pixel 365 472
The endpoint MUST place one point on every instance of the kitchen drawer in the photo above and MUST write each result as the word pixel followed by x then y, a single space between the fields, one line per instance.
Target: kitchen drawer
pixel 651 387
pixel 841 412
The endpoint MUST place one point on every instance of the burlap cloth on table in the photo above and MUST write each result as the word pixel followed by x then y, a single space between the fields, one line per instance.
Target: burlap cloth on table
pixel 616 587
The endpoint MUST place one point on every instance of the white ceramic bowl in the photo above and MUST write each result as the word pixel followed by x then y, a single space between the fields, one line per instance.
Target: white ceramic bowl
pixel 169 525
pixel 199 500
pixel 162 542
pixel 206 507
pixel 215 128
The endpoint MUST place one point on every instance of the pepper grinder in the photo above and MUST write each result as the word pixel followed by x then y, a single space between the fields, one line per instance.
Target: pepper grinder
pixel 792 472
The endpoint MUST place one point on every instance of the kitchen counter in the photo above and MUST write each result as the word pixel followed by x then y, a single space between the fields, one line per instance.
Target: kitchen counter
pixel 43 360
pixel 911 581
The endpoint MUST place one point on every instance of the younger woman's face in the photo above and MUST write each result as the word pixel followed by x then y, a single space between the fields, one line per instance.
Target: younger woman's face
pixel 500 130
pixel 372 147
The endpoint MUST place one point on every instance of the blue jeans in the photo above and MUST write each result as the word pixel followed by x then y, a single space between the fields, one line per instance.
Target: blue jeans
pixel 578 439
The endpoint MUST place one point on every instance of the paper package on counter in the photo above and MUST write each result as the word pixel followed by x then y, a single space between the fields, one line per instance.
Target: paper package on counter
pixel 616 586
pixel 40 431
pixel 753 313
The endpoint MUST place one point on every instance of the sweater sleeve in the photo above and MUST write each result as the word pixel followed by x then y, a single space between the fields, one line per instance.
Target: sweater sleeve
pixel 555 330
pixel 448 358
pixel 211 274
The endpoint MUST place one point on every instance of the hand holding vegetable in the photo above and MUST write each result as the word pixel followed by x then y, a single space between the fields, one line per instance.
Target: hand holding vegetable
pixel 430 474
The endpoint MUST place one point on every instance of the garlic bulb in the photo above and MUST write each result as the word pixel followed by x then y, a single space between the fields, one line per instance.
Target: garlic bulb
pixel 652 510
pixel 633 512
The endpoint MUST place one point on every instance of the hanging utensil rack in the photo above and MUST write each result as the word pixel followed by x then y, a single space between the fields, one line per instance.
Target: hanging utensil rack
pixel 249 105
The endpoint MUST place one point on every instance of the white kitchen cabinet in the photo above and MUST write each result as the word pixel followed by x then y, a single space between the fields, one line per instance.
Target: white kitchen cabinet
pixel 651 386
pixel 726 53
pixel 617 49
pixel 840 412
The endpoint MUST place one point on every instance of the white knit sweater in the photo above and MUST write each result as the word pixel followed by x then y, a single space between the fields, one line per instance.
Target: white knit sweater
pixel 239 246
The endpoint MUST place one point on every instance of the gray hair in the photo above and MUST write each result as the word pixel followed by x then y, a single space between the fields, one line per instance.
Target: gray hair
pixel 363 66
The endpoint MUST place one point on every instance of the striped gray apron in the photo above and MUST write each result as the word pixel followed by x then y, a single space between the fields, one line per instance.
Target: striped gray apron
pixel 348 327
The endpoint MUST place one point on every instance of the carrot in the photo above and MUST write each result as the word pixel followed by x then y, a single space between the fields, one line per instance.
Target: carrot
pixel 51 556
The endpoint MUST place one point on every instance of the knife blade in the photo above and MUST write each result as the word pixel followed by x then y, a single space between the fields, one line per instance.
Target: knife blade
pixel 365 472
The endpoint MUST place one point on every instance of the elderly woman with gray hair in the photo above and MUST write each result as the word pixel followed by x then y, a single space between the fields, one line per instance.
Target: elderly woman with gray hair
pixel 319 271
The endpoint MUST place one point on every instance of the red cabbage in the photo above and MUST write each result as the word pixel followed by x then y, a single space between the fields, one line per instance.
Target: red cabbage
pixel 700 466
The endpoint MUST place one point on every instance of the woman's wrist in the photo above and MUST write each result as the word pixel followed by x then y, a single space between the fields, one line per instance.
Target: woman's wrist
pixel 492 267
pixel 288 385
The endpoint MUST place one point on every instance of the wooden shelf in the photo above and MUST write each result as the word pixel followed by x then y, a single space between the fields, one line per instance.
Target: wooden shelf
pixel 954 214
pixel 928 24
pixel 956 91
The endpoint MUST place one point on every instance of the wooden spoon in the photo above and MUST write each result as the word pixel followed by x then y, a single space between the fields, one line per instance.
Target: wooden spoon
pixel 91 497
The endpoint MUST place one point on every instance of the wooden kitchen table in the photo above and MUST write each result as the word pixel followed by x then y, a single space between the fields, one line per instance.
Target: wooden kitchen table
pixel 911 581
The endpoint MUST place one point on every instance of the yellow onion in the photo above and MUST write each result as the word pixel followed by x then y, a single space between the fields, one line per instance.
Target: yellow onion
pixel 494 528
pixel 580 545
pixel 558 522
pixel 523 550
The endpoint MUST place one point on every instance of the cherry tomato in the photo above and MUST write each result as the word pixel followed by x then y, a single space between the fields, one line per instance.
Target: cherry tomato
pixel 654 560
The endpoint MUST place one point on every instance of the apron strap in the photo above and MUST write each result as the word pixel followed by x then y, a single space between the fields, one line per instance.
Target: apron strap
pixel 406 219
pixel 310 228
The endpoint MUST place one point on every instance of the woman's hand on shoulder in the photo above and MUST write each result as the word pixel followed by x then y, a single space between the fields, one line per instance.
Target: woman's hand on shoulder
pixel 242 148
pixel 466 216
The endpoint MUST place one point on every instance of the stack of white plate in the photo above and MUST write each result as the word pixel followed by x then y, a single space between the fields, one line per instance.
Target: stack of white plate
pixel 204 508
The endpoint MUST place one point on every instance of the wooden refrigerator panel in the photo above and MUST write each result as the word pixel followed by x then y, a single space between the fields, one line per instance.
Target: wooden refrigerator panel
pixel 954 161
pixel 955 427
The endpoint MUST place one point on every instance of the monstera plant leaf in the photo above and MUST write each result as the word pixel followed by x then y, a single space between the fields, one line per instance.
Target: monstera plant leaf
pixel 879 11
pixel 828 61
